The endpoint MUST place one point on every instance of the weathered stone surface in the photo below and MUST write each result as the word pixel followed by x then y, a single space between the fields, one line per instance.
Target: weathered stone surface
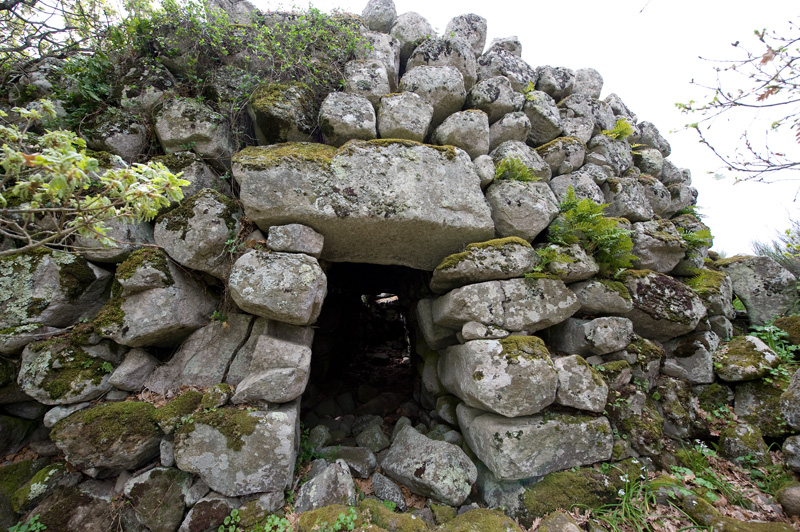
pixel 578 265
pixel 468 130
pixel 501 62
pixel 344 116
pixel 657 245
pixel 790 402
pixel 282 112
pixel 545 120
pixel 241 452
pixel 494 96
pixel 599 336
pixel 678 407
pixel 528 156
pixel 691 357
pixel 430 468
pixel 208 512
pixel 601 296
pixel 386 490
pixel 134 370
pixel 279 377
pixel 203 357
pixel 743 440
pixel 484 166
pixel 125 239
pixel 159 497
pixel 436 336
pixel 582 185
pixel 379 15
pixel 649 161
pixel 410 29
pixel 557 82
pixel 486 261
pixel 384 48
pixel 651 138
pixel 288 287
pixel 509 44
pixel 194 170
pixel 761 404
pixel 184 122
pixel 563 154
pixel 360 460
pixel 14 433
pixel 404 116
pixel 334 485
pixel 441 86
pixel 657 194
pixel 791 452
pixel 195 235
pixel 368 199
pixel 514 126
pixel 716 291
pixel 471 28
pixel 745 358
pixel 511 377
pixel 521 209
pixel 579 384
pixel 663 307
pixel 367 78
pixel 119 132
pixel 515 305
pixel 626 199
pixel 295 238
pixel 682 197
pixel 764 286
pixel 579 127
pixel 451 51
pixel 588 81
pixel 50 288
pixel 158 305
pixel 112 436
pixel 606 151
pixel 535 445
pixel 59 372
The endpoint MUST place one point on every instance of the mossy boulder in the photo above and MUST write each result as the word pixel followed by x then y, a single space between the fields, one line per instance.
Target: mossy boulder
pixel 766 288
pixel 745 358
pixel 716 291
pixel 481 520
pixel 385 518
pixel 70 509
pixel 759 404
pixel 12 477
pixel 282 112
pixel 112 436
pixel 742 440
pixel 42 485
pixel 14 433
pixel 177 411
pixel 159 497
pixel 790 324
pixel 636 417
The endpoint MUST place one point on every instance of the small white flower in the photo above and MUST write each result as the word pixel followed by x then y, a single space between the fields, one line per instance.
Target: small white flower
pixel 621 493
pixel 634 461
pixel 624 478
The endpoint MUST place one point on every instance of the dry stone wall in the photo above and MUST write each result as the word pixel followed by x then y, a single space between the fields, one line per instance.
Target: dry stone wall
pixel 534 357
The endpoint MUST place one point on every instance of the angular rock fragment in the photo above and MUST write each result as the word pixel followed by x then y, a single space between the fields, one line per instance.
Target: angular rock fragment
pixel 344 116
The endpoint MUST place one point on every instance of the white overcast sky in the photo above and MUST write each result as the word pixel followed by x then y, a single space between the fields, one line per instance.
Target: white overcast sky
pixel 647 52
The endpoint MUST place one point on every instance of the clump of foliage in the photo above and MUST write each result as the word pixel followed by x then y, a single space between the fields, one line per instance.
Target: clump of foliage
pixel 513 168
pixel 784 249
pixel 31 525
pixel 273 523
pixel 778 340
pixel 696 239
pixel 51 190
pixel 621 130
pixel 89 89
pixel 582 222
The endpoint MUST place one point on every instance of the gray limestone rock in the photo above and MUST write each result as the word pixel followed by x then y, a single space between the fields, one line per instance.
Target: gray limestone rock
pixel 259 458
pixel 500 62
pixel 563 155
pixel 450 51
pixel 544 116
pixel 522 209
pixel 468 130
pixel 195 171
pixel 404 116
pixel 379 15
pixel 588 81
pixel 527 155
pixel 494 96
pixel 119 132
pixel 657 245
pixel 373 438
pixel 144 87
pixel 577 266
pixel 57 413
pixel 384 48
pixel 436 336
pixel 441 86
pixel 182 122
pixel 367 78
pixel 619 108
pixel 582 185
pixel 514 126
pixel 682 196
pixel 159 497
pixel 691 357
pixel 208 512
pixel 765 287
pixel 511 377
pixel 791 452
pixel 790 402
pixel 430 468
pixel 663 307
pixel 279 377
pixel 410 29
pixel 613 153
pixel 626 199
pixel 126 238
pixel 282 112
pixel 678 407
pixel 485 261
pixel 744 440
pixel 344 116
pixel 295 238
pixel 471 28
pixel 532 446
pixel 649 161
pixel 288 287
pixel 360 460
pixel 721 326
pixel 196 234
pixel 369 199
pixel 557 82
pixel 484 166
pixel 509 44
pixel 599 336
pixel 756 402
pixel 334 485
pixel 745 358
pixel 515 305
pixel 580 127
pixel 386 490
pixel 134 370
pixel 651 138
pixel 657 194
pixel 581 104
pixel 602 296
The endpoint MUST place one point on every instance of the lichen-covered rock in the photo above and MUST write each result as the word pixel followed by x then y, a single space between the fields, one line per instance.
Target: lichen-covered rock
pixel 410 29
pixel 452 51
pixel 511 377
pixel 295 238
pixel 503 258
pixel 154 303
pixel 368 199
pixel 441 86
pixel 583 105
pixel 241 452
pixel 182 122
pixel 514 126
pixel 791 452
pixel 636 418
pixel 344 116
pixel 582 185
pixel 282 112
pixel 602 297
pixel 494 96
pixel 663 307
pixel 599 336
pixel 430 468
pixel 657 245
pixel 288 287
pixel 75 508
pixel 563 154
pixel 580 385
pixel 52 288
pixel 203 358
pixel 577 264
pixel 742 440
pixel 528 156
pixel 691 357
pixel 334 485
pixel 367 78
pixel 404 116
pixel 194 170
pixel 626 199
pixel 134 370
pixel 384 48
pixel 606 151
pixel 386 490
pixel 196 234
pixel 535 445
pixel 588 81
pixel 557 82
pixel 579 127
pixel 112 436
pixel 279 377
pixel 761 404
pixel 159 497
pixel 119 132
pixel 716 290
pixel 379 15
pixel 545 120
pixel 126 238
pixel 765 287
pixel 682 196
pixel 678 407
pixel 208 512
pixel 650 137
pixel 657 194
pixel 649 161
pixel 521 209
pixel 790 402
pixel 471 28
pixel 745 358
pixel 59 371
pixel 501 62
pixel 468 130
pixel 515 305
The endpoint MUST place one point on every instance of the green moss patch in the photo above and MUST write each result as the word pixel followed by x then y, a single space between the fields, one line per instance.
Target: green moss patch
pixel 527 347
pixel 109 422
pixel 706 282
pixel 169 416
pixel 451 261
pixel 155 258
pixel 481 520
pixel 177 220
pixel 66 368
pixel 232 423
pixel 379 515
pixel 265 157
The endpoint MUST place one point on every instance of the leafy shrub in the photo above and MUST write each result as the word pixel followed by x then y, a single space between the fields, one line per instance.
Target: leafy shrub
pixel 513 168
pixel 696 239
pixel 621 130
